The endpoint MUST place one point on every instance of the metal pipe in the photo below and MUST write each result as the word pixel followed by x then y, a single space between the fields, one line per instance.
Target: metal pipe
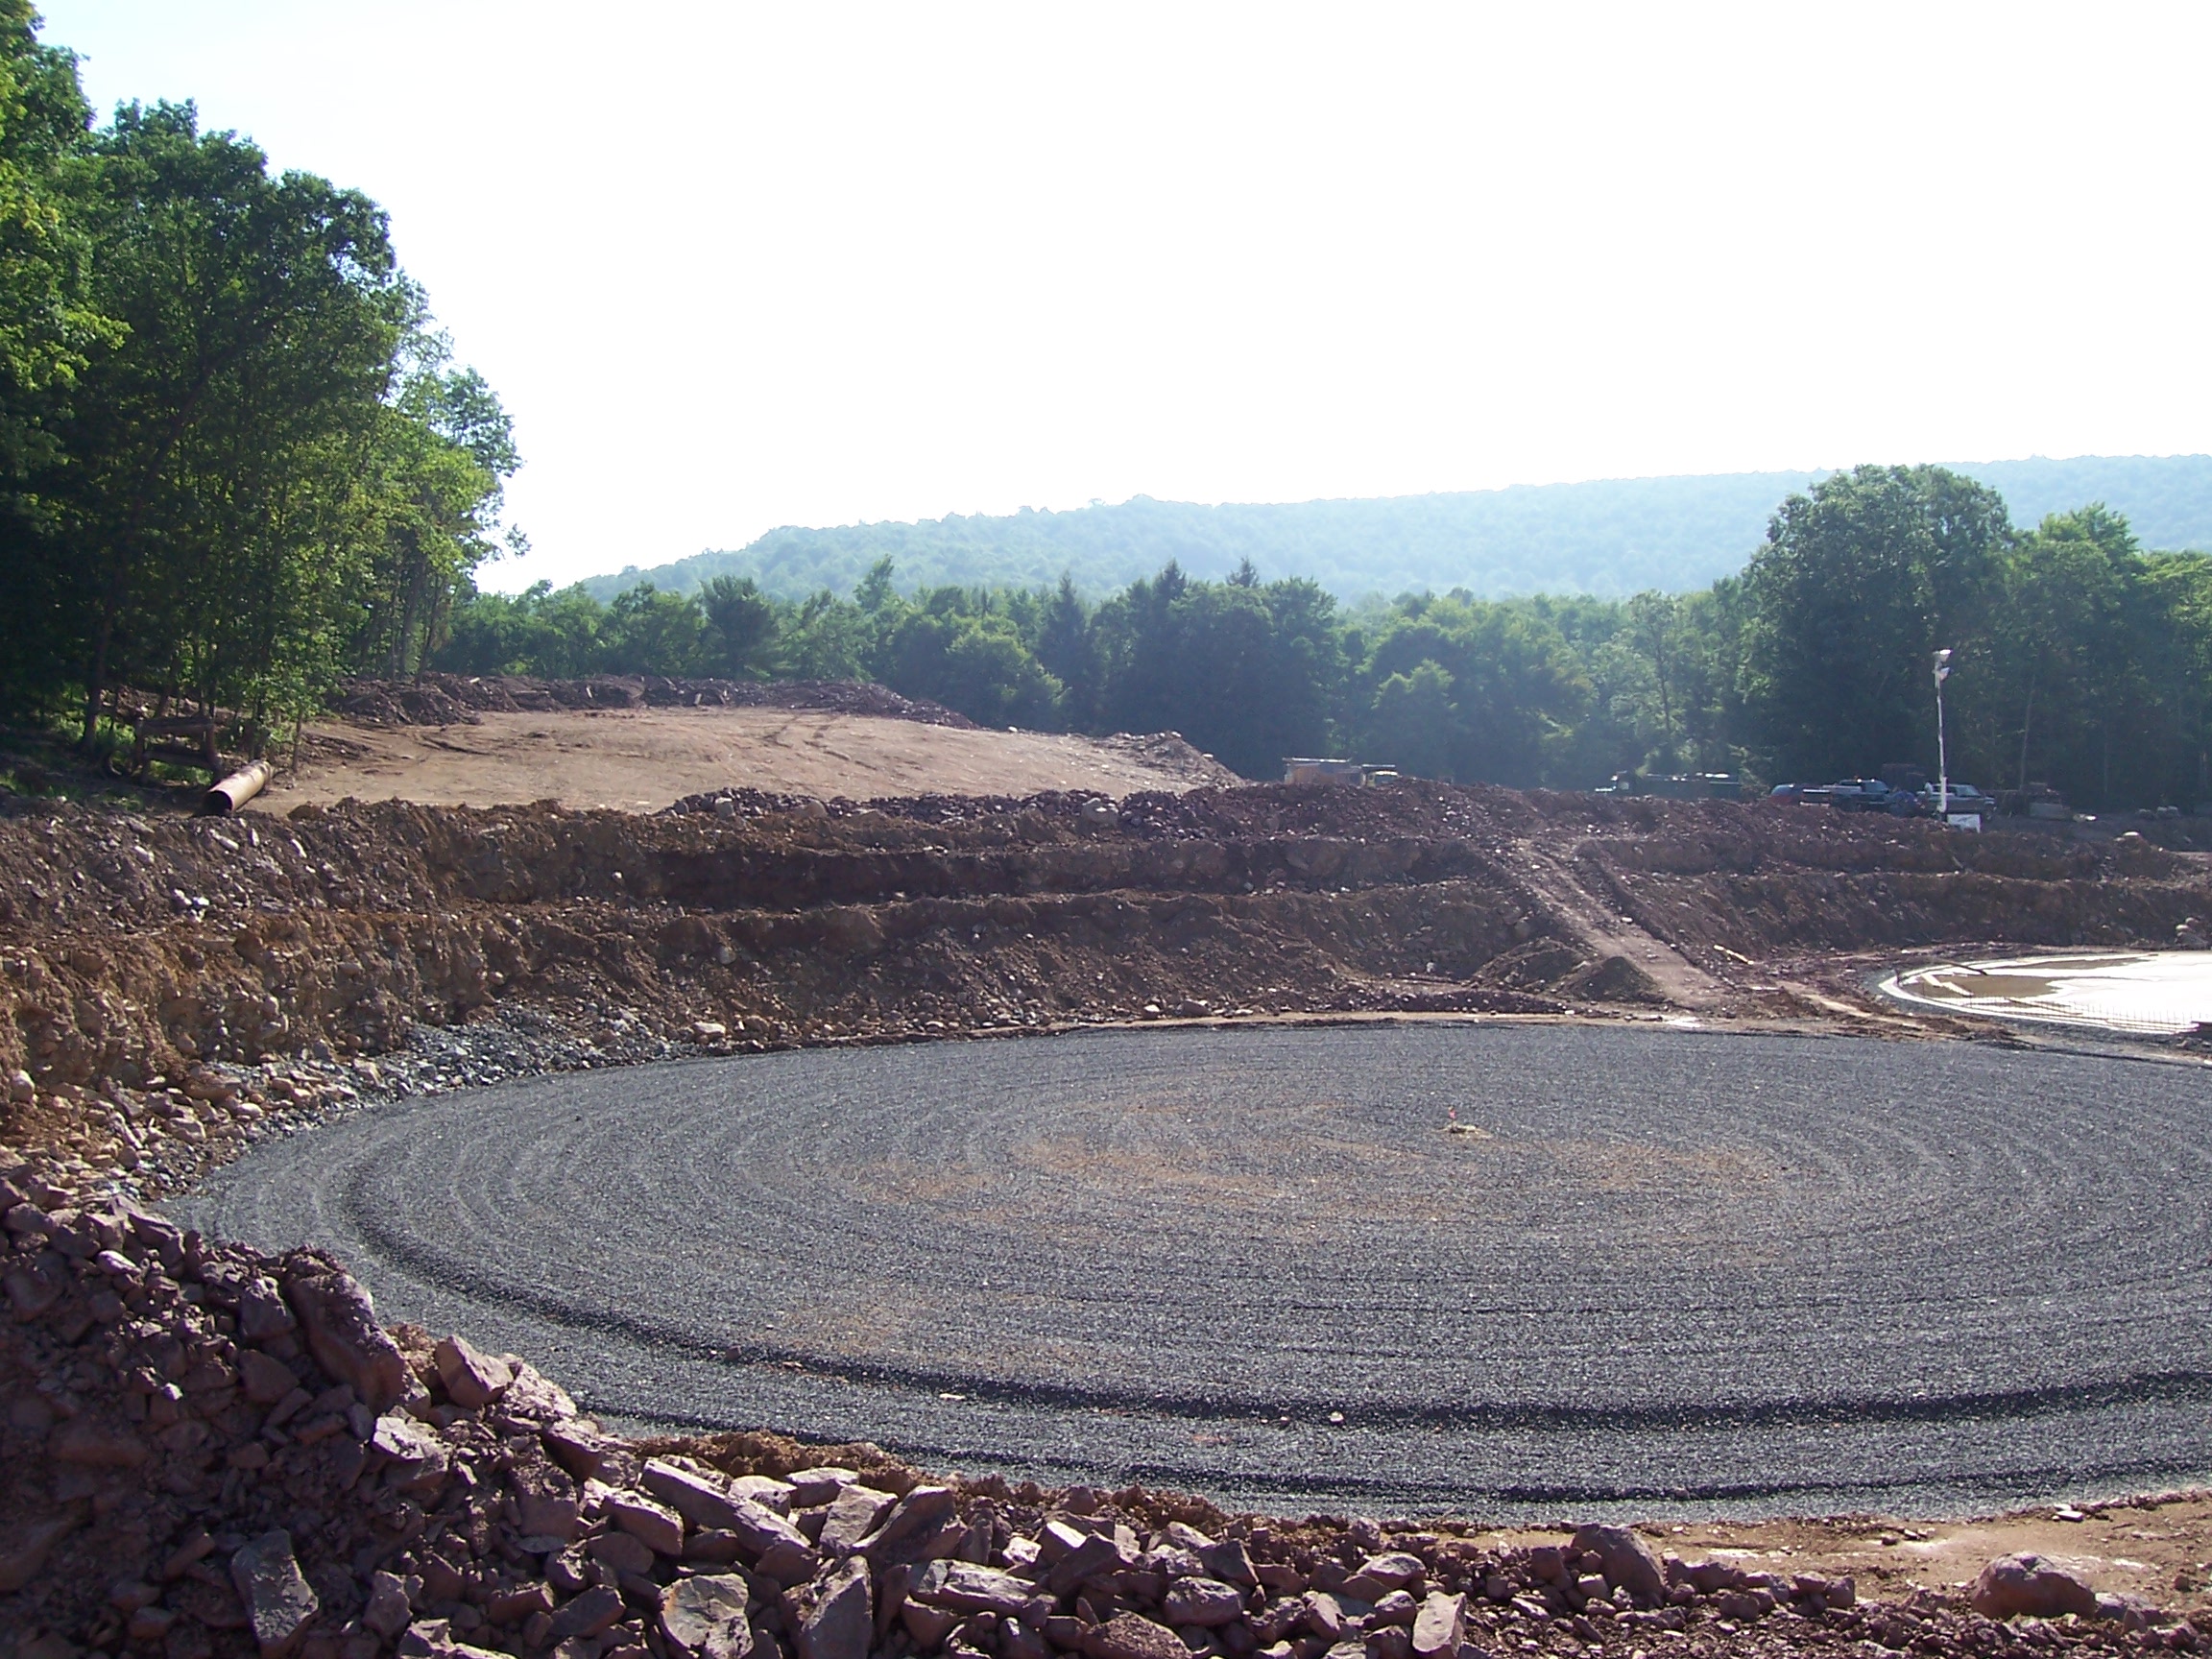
pixel 235 790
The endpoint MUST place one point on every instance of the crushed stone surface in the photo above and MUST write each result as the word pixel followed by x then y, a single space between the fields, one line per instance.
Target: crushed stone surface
pixel 1430 1267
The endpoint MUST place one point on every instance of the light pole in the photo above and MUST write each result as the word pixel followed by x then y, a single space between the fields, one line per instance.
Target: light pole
pixel 1942 762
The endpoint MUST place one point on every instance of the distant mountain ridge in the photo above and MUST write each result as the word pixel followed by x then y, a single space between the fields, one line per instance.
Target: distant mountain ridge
pixel 1610 538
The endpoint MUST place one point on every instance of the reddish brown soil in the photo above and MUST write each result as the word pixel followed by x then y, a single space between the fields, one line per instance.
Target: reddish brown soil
pixel 161 980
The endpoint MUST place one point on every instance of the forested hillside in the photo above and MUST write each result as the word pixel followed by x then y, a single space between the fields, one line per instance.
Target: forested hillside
pixel 1611 538
pixel 237 463
pixel 2080 659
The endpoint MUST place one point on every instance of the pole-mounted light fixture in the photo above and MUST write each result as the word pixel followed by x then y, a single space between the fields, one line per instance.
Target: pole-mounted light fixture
pixel 1942 760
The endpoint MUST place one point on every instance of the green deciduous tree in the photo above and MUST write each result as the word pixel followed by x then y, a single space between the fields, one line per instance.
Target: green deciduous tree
pixel 1858 584
pixel 742 624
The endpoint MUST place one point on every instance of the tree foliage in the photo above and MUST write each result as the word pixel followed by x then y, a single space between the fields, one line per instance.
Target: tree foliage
pixel 1609 536
pixel 237 460
pixel 2082 661
pixel 234 459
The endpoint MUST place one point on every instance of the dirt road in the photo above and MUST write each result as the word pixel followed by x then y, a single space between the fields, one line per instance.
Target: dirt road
pixel 642 759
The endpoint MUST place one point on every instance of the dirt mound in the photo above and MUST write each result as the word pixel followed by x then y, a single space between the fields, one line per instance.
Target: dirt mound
pixel 455 699
pixel 135 954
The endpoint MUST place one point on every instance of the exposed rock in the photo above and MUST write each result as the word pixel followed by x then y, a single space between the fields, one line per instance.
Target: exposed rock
pixel 1201 1602
pixel 704 1618
pixel 658 1528
pixel 546 1499
pixel 1392 1572
pixel 473 1379
pixel 1440 1626
pixel 965 1587
pixel 341 1332
pixel 2027 1584
pixel 1323 1616
pixel 853 1513
pixel 595 1610
pixel 387 1612
pixel 1131 1636
pixel 843 1623
pixel 267 1378
pixel 1099 1552
pixel 810 1488
pixel 261 1310
pixel 1629 1563
pixel 279 1601
pixel 910 1530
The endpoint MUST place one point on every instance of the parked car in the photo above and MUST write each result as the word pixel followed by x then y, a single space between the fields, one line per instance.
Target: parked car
pixel 1859 795
pixel 1965 798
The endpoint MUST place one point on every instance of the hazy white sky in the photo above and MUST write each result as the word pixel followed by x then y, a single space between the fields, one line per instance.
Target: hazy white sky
pixel 733 267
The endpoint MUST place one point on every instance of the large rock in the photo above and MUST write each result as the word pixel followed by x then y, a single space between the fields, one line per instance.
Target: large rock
pixel 414 1456
pixel 267 1378
pixel 547 1504
pixel 854 1514
pixel 909 1531
pixel 705 1501
pixel 261 1310
pixel 279 1604
pixel 1100 1552
pixel 704 1618
pixel 1631 1563
pixel 388 1611
pixel 843 1623
pixel 2029 1585
pixel 1440 1626
pixel 473 1379
pixel 653 1525
pixel 1204 1601
pixel 595 1610
pixel 1131 1636
pixel 964 1587
pixel 342 1334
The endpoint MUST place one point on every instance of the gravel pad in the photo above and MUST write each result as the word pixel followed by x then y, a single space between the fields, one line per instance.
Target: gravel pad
pixel 1500 1269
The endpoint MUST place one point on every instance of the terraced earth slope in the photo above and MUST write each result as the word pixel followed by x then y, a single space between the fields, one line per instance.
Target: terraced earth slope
pixel 208 1451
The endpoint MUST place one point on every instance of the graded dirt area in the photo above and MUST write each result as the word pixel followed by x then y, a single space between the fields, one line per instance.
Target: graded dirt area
pixel 640 760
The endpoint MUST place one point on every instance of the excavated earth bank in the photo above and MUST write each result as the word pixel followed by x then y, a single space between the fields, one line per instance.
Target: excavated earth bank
pixel 211 1450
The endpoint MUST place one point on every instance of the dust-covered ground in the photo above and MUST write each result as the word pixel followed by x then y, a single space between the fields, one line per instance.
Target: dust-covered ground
pixel 639 760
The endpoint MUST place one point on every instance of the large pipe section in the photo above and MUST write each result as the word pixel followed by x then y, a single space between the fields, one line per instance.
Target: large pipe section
pixel 235 790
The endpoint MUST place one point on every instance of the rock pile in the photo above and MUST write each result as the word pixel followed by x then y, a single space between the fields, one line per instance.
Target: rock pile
pixel 213 1452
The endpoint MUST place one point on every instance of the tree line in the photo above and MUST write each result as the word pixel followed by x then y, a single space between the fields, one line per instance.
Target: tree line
pixel 2080 661
pixel 236 457
pixel 238 462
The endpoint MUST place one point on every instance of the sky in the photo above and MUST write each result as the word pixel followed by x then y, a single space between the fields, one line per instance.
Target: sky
pixel 732 267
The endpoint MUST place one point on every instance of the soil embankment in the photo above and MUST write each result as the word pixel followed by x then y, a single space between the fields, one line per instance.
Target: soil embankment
pixel 212 1452
pixel 133 949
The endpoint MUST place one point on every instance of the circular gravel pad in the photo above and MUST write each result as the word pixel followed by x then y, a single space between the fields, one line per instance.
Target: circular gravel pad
pixel 1525 1264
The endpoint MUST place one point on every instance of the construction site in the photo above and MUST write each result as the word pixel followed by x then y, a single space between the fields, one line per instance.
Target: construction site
pixel 561 1170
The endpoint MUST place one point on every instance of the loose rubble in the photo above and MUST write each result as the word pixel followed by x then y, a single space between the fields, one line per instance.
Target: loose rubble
pixel 212 1452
